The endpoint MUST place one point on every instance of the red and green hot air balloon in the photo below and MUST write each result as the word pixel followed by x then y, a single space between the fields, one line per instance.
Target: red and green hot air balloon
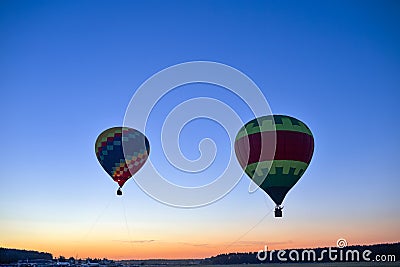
pixel 275 173
pixel 121 151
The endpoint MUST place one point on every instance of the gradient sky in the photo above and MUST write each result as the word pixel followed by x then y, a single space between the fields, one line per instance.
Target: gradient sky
pixel 69 69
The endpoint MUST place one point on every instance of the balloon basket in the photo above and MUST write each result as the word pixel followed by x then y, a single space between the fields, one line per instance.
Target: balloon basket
pixel 278 212
pixel 119 192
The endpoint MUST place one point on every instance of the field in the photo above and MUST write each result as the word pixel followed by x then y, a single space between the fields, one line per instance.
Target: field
pixel 341 264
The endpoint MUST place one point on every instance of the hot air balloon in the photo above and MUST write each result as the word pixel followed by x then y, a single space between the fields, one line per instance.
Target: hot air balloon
pixel 121 151
pixel 275 172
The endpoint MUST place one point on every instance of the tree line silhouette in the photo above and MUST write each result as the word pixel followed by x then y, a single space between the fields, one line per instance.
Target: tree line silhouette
pixel 387 252
pixel 9 255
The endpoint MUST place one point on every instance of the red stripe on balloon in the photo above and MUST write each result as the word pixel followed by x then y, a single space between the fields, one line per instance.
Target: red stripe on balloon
pixel 290 145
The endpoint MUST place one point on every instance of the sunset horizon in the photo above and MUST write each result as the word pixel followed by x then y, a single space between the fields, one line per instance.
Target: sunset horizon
pixel 185 130
pixel 223 251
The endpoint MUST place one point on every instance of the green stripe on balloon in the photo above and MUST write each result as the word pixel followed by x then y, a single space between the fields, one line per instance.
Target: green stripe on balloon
pixel 259 171
pixel 265 124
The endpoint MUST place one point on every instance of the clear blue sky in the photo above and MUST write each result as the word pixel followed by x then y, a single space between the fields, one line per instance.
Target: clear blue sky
pixel 69 68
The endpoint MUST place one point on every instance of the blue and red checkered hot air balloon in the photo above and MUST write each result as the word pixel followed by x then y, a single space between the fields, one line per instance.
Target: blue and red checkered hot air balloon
pixel 121 151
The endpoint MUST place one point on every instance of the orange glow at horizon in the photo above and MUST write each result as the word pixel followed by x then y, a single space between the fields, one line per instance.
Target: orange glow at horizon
pixel 117 250
pixel 162 240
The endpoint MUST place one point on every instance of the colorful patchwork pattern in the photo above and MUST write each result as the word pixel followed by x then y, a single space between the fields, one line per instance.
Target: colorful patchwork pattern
pixel 122 151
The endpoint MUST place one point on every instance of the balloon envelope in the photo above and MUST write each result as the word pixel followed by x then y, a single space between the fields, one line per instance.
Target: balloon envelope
pixel 274 151
pixel 121 151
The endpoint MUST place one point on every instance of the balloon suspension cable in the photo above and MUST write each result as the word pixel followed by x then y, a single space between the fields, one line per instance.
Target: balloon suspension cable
pixel 278 211
pixel 250 229
pixel 119 191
